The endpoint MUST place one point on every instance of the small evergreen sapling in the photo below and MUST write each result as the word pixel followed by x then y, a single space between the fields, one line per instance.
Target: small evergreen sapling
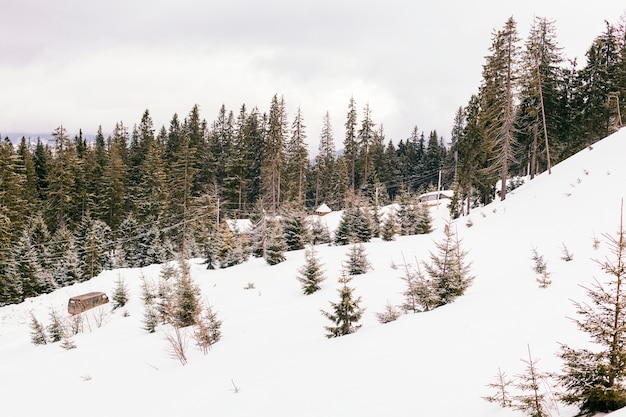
pixel 346 313
pixel 207 330
pixel 420 293
pixel 501 387
pixel 533 400
pixel 55 328
pixel 390 314
pixel 540 267
pixel 120 293
pixel 566 255
pixel 37 331
pixel 357 263
pixel 311 274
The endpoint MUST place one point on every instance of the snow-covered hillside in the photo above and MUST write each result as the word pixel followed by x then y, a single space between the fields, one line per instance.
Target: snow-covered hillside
pixel 274 360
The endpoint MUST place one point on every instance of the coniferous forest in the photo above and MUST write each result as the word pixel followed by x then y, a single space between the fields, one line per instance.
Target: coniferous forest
pixel 146 194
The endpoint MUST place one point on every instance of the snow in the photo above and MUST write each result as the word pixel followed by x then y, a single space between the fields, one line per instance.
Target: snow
pixel 274 360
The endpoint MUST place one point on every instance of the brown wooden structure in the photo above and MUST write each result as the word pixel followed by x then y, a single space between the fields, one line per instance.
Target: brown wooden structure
pixel 87 301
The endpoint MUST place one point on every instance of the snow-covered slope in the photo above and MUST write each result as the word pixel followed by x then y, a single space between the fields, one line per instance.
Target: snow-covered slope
pixel 274 360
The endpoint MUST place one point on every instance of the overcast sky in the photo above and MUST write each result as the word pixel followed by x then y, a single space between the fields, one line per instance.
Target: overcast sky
pixel 88 63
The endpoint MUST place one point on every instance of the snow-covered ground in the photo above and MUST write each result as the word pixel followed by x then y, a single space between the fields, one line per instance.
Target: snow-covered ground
pixel 274 360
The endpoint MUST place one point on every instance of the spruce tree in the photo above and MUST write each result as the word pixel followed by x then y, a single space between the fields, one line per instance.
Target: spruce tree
pixel 276 246
pixel 129 249
pixel 55 328
pixel 499 84
pixel 66 265
pixel 448 271
pixel 208 328
pixel 27 268
pixel 346 313
pixel 37 331
pixel 186 307
pixel 319 231
pixel 294 229
pixel 423 220
pixel 389 228
pixel 311 274
pixel 594 379
pixel 120 293
pixel 357 262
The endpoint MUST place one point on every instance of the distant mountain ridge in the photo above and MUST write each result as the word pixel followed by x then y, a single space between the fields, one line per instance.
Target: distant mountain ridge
pixel 15 138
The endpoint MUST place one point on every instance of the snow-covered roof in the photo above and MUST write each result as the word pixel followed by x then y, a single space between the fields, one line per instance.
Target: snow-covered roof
pixel 323 209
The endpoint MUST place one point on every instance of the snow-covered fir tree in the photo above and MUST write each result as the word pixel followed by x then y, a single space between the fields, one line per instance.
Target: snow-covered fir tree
pixel 311 274
pixel 27 269
pixel 355 226
pixel 66 266
pixel 595 379
pixel 186 307
pixel 120 293
pixel 55 329
pixel 424 220
pixel 276 247
pixel 129 253
pixel 208 328
pixel 419 294
pixel 346 313
pixel 448 270
pixel 37 331
pixel 294 229
pixel 357 262
pixel 230 250
pixel 389 228
pixel 319 231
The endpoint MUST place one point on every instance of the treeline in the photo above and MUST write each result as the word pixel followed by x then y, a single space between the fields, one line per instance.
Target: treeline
pixel 146 194
pixel 534 108
pixel 140 196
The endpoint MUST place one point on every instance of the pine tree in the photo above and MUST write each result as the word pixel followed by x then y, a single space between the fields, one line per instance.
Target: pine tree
pixel 207 330
pixel 537 114
pixel 120 293
pixel 294 228
pixel 128 248
pixel 502 387
pixel 55 328
pixel 319 231
pixel 27 269
pixel 64 171
pixel 420 293
pixel 325 163
pixel 534 401
pixel 274 153
pixel 296 161
pixel 276 246
pixel 350 146
pixel 500 77
pixel 66 265
pixel 310 274
pixel 186 308
pixel 423 219
pixel 357 262
pixel 346 313
pixel 389 228
pixel 448 270
pixel 594 379
pixel 37 331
